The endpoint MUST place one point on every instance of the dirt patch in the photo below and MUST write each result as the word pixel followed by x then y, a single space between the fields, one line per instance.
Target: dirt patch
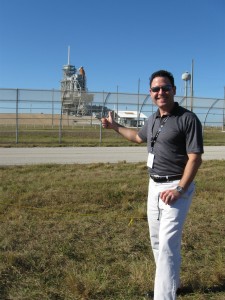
pixel 44 120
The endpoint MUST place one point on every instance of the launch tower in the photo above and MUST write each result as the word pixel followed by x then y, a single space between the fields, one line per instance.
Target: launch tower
pixel 74 97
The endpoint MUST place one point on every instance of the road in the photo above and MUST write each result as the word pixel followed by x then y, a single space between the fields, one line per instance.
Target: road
pixel 86 155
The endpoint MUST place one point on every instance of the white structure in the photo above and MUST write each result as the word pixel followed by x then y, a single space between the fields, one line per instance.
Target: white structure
pixel 74 98
pixel 130 118
pixel 186 77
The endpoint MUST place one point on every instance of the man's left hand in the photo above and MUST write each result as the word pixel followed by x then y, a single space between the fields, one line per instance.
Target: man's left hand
pixel 169 196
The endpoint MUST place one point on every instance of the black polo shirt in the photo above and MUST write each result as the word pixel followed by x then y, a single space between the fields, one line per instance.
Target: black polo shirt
pixel 181 134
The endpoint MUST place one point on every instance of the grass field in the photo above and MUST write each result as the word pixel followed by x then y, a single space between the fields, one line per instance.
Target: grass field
pixel 79 136
pixel 79 232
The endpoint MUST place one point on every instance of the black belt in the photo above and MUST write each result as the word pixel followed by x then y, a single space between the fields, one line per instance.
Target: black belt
pixel 165 178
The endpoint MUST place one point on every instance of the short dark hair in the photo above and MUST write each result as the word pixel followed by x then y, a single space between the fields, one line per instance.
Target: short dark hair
pixel 162 73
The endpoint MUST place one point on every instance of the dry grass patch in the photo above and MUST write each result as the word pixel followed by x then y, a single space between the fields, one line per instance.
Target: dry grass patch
pixel 80 232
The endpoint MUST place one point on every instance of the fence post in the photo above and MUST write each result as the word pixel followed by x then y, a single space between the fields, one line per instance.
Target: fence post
pixel 138 111
pixel 100 126
pixel 60 124
pixel 17 117
pixel 53 108
pixel 223 112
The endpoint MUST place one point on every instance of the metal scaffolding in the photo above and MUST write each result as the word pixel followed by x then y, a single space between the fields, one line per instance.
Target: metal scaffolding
pixel 74 97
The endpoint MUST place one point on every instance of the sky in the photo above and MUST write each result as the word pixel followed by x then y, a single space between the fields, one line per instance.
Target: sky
pixel 120 43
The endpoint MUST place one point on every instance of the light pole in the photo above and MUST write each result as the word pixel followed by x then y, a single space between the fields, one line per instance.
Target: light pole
pixel 192 83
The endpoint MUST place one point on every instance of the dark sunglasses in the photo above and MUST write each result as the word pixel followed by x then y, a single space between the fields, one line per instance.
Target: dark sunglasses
pixel 165 88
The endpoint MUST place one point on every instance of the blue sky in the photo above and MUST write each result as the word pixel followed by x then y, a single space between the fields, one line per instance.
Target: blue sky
pixel 117 41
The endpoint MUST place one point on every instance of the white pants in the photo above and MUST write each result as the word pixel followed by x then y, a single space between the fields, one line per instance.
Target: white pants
pixel 165 225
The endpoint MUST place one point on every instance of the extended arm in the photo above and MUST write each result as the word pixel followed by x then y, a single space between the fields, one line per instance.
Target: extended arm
pixel 127 133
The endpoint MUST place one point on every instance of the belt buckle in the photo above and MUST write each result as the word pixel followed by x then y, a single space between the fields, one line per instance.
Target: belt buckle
pixel 157 178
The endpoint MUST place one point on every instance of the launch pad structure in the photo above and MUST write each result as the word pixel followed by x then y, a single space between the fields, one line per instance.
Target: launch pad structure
pixel 74 97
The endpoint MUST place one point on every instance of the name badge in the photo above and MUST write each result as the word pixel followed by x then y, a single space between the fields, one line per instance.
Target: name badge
pixel 150 160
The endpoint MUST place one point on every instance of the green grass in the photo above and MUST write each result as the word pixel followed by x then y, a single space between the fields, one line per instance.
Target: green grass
pixel 214 137
pixel 80 136
pixel 79 232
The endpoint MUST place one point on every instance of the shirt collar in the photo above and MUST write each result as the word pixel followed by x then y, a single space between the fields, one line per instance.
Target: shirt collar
pixel 173 111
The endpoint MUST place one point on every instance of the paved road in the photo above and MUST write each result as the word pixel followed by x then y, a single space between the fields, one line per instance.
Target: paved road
pixel 85 155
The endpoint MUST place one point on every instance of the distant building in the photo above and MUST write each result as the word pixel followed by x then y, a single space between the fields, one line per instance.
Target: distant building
pixel 130 118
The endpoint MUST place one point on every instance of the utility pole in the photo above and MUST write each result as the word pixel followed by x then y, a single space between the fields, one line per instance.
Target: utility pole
pixel 192 83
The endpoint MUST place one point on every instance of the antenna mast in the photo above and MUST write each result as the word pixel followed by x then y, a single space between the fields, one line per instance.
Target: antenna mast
pixel 68 55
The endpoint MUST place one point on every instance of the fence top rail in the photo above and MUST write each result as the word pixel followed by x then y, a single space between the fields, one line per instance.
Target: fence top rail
pixel 103 92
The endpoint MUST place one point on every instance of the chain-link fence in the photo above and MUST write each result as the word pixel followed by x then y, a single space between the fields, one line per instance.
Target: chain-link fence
pixel 46 116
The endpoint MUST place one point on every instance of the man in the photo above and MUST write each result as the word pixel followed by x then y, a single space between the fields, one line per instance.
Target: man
pixel 175 144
